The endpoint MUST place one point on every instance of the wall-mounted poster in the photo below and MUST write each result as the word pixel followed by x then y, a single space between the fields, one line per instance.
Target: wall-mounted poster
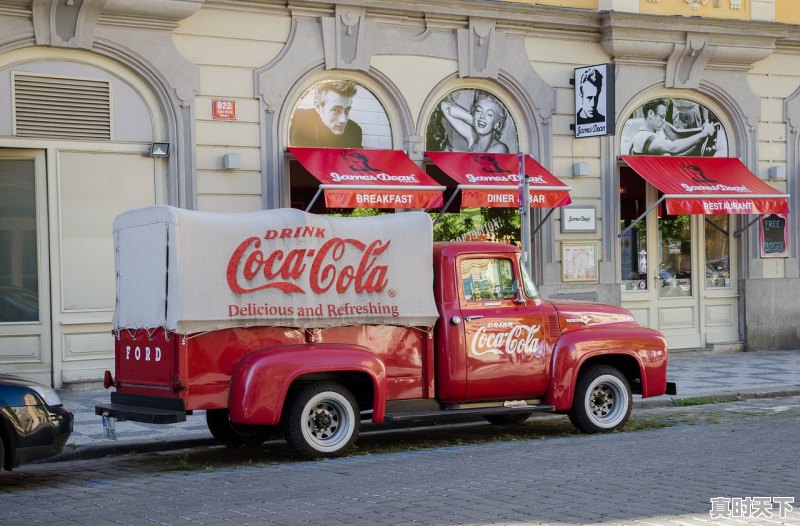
pixel 471 120
pixel 594 101
pixel 677 127
pixel 339 114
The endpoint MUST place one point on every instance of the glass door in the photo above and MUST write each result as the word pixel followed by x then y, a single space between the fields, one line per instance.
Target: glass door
pixel 658 261
pixel 24 260
pixel 677 273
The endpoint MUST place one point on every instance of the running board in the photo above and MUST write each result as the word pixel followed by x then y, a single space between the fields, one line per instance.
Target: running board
pixel 444 414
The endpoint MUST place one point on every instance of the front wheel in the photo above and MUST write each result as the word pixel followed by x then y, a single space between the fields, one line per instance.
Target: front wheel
pixel 603 400
pixel 322 420
pixel 236 435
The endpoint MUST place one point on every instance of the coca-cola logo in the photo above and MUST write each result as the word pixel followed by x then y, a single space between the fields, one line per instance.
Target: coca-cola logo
pixel 520 339
pixel 341 264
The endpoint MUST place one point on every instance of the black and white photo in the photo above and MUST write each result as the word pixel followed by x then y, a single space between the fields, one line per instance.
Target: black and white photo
pixel 594 102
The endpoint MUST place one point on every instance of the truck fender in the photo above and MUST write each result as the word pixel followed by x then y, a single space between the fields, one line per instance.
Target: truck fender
pixel 645 346
pixel 261 380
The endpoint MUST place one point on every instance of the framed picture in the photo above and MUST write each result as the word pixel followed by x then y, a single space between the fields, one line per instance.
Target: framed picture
pixel 579 262
pixel 578 219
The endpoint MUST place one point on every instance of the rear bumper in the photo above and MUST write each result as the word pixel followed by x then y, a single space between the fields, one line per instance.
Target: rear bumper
pixel 140 408
pixel 672 388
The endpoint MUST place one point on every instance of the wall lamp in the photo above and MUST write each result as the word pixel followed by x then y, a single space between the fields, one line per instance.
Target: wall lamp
pixel 160 149
pixel 777 173
pixel 232 161
pixel 580 169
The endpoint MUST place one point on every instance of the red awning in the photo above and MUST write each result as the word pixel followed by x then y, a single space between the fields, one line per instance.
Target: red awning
pixel 369 178
pixel 492 180
pixel 708 185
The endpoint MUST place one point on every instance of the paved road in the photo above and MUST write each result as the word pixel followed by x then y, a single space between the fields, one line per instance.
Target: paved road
pixel 655 477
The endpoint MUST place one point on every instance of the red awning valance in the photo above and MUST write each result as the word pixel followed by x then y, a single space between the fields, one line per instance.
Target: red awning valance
pixel 492 179
pixel 354 178
pixel 708 185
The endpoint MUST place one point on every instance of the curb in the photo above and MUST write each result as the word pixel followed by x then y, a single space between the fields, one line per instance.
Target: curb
pixel 128 447
pixel 746 395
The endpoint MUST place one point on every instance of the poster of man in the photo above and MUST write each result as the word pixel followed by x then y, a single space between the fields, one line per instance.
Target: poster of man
pixel 339 114
pixel 594 106
pixel 676 127
pixel 471 120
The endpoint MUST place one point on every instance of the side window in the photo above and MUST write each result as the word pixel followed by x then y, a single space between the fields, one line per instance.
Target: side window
pixel 488 279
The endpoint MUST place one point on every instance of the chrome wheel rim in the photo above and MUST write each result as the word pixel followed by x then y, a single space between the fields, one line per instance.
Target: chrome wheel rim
pixel 606 401
pixel 328 422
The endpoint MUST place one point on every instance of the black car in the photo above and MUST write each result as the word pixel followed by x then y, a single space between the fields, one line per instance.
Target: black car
pixel 33 422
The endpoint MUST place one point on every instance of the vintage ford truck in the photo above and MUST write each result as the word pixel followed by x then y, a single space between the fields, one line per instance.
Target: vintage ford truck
pixel 309 324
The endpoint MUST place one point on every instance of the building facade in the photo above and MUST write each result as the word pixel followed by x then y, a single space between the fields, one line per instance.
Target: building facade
pixel 90 89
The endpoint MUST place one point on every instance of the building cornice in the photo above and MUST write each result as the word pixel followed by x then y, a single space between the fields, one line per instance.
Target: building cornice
pixel 651 39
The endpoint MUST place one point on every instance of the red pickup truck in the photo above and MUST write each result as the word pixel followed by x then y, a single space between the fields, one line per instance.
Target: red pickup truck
pixel 310 324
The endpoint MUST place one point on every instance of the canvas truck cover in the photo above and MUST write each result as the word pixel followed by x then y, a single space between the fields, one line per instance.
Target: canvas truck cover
pixel 193 271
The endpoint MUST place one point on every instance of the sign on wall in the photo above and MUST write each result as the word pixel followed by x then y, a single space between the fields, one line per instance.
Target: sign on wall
pixel 774 236
pixel 223 109
pixel 594 101
pixel 579 219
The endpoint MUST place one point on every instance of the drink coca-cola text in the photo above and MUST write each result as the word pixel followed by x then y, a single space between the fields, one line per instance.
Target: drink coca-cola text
pixel 250 268
pixel 520 339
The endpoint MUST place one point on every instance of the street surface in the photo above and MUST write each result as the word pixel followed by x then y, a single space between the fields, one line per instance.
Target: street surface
pixel 743 454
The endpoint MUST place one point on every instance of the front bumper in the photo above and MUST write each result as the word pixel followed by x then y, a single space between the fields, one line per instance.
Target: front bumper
pixel 39 432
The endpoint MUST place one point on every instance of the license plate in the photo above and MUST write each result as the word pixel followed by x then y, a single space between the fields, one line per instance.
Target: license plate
pixel 110 427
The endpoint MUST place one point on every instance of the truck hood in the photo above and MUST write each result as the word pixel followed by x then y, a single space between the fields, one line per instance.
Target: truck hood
pixel 574 315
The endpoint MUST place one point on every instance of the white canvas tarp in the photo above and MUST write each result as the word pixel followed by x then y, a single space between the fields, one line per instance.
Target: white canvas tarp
pixel 193 271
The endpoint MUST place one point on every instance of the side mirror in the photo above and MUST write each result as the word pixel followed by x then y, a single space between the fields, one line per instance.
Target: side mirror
pixel 518 297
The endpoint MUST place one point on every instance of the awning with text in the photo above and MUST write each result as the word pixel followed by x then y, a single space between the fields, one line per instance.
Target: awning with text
pixel 708 185
pixel 352 178
pixel 492 180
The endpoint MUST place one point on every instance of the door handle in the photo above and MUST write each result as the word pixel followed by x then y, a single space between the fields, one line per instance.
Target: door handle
pixel 470 318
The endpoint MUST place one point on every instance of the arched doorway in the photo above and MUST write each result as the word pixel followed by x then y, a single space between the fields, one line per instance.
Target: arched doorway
pixel 76 141
pixel 678 272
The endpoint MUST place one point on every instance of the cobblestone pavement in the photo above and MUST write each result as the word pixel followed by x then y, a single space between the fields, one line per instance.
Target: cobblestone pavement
pixel 658 477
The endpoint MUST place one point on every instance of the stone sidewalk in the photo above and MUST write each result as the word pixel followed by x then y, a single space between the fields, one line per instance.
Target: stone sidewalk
pixel 697 373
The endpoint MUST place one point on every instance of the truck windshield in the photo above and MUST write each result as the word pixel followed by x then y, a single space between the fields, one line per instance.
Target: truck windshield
pixel 527 282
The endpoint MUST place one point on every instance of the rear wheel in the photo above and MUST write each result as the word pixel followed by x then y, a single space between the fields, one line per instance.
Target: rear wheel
pixel 603 400
pixel 236 435
pixel 507 420
pixel 322 420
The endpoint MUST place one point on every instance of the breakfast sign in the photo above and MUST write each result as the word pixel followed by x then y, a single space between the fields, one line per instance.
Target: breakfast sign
pixel 277 267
